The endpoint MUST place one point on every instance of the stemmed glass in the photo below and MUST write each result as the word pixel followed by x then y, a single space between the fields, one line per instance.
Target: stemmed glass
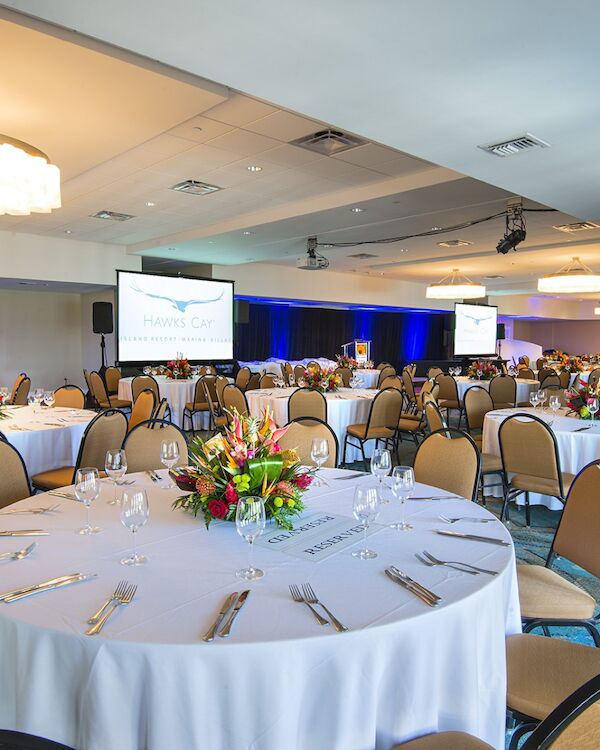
pixel 533 399
pixel 541 394
pixel 115 465
pixel 319 452
pixel 381 463
pixel 49 398
pixel 147 370
pixel 457 370
pixel 169 455
pixel 554 404
pixel 365 509
pixel 87 489
pixel 592 404
pixel 403 483
pixel 250 522
pixel 3 393
pixel 134 514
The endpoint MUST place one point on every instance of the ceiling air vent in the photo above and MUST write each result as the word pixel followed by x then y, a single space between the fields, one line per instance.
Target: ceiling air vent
pixel 576 226
pixel 515 145
pixel 112 216
pixel 363 256
pixel 328 142
pixel 195 187
pixel 454 243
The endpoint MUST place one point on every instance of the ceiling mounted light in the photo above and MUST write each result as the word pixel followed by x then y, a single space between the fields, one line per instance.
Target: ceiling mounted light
pixel 597 309
pixel 574 278
pixel 254 168
pixel 515 231
pixel 455 286
pixel 357 210
pixel 28 182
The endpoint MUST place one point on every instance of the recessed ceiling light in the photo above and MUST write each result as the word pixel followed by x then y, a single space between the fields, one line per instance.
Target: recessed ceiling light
pixel 454 243
pixel 246 233
pixel 254 168
pixel 112 216
pixel 196 127
pixel 211 242
pixel 494 276
pixel 403 249
pixel 150 204
pixel 357 210
pixel 435 229
pixel 68 231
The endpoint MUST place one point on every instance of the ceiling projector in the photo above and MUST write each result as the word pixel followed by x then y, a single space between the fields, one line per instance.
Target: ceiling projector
pixel 312 261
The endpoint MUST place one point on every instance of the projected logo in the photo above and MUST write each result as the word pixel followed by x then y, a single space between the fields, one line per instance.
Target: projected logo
pixel 178 304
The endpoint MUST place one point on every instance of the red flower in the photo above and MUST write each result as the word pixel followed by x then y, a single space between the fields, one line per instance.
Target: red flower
pixel 302 481
pixel 231 494
pixel 218 508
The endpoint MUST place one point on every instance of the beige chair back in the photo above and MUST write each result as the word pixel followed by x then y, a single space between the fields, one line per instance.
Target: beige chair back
pixel 433 372
pixel 541 363
pixel 524 359
pixel 392 381
pixel 381 365
pixel 143 408
pixel 593 379
pixel 234 399
pixel 526 374
pixel 565 378
pixel 143 383
pixel 288 373
pixel 99 391
pixel 386 372
pixel 554 390
pixel 544 373
pixel 302 432
pixel 21 392
pixel 345 375
pixel 429 386
pixel 433 416
pixel 450 461
pixel 478 403
pixel 18 380
pixel 161 410
pixel 207 370
pixel 528 446
pixel 210 383
pixel 503 390
pixel 105 432
pixel 220 383
pixel 385 410
pixel 306 402
pixel 70 396
pixel 112 377
pixel 409 387
pixel 448 388
pixel 411 369
pixel 15 482
pixel 210 397
pixel 298 372
pixel 242 378
pixel 253 382
pixel 142 445
pixel 573 729
pixel 199 397
pixel 550 381
pixel 267 381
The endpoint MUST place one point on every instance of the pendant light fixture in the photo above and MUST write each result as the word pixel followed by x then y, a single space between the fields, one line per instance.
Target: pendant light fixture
pixel 597 309
pixel 455 286
pixel 573 278
pixel 28 182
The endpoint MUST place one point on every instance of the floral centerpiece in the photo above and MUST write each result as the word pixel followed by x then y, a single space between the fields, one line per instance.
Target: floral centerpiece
pixel 245 460
pixel 321 379
pixel 3 402
pixel 344 361
pixel 570 364
pixel 366 365
pixel 578 400
pixel 482 370
pixel 179 368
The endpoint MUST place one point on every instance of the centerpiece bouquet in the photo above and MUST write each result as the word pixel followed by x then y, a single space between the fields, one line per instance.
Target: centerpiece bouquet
pixel 344 361
pixel 482 370
pixel 245 460
pixel 179 368
pixel 3 402
pixel 570 364
pixel 579 399
pixel 321 379
pixel 366 365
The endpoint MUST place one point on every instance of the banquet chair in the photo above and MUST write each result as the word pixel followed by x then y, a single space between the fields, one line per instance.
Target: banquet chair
pixel 306 402
pixel 550 380
pixel 478 403
pixel 70 396
pixel 242 377
pixel 529 453
pixel 313 363
pixel 392 381
pixel 594 377
pixel 220 382
pixel 541 363
pixel 544 674
pixel 198 405
pixel 207 370
pixel 409 391
pixel 433 372
pixel 433 416
pixel 411 368
pixel 565 378
pixel 143 408
pixel 20 377
pixel 21 391
pixel 556 390
pixel 105 432
pixel 300 434
pixel 524 359
pixel 345 374
pixel 547 598
pixel 102 397
pixel 381 365
pixel 217 420
pixel 288 373
pixel 267 381
pixel 448 396
pixel 11 740
pixel 143 383
pixel 253 383
pixel 163 410
pixel 429 386
pixel 142 445
pixel 112 376
pixel 15 480
pixel 298 373
pixel 234 399
pixel 544 373
pixel 503 390
pixel 381 424
pixel 450 460
pixel 526 374
pixel 386 372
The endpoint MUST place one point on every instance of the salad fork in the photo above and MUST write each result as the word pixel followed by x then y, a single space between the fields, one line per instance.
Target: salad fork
pixel 19 554
pixel 117 594
pixel 466 518
pixel 125 598
pixel 433 561
pixel 297 597
pixel 35 511
pixel 311 598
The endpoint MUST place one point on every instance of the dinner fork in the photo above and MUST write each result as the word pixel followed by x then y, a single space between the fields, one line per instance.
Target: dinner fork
pixel 297 597
pixel 35 511
pixel 466 518
pixel 454 563
pixel 19 554
pixel 117 594
pixel 311 598
pixel 124 599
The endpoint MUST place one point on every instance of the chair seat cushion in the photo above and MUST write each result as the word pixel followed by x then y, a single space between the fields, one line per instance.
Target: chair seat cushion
pixel 522 404
pixel 202 406
pixel 542 672
pixel 409 425
pixel 506 405
pixel 445 741
pixel 221 421
pixel 118 403
pixel 446 403
pixel 359 431
pixel 415 416
pixel 545 594
pixel 490 463
pixel 541 485
pixel 55 478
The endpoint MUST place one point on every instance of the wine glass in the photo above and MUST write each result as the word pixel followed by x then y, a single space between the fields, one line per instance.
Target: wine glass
pixel 319 452
pixel 115 465
pixel 592 404
pixel 49 398
pixel 134 514
pixel 457 370
pixel 554 404
pixel 381 463
pixel 403 483
pixel 250 521
pixel 541 394
pixel 87 489
pixel 3 393
pixel 533 399
pixel 147 370
pixel 365 509
pixel 169 455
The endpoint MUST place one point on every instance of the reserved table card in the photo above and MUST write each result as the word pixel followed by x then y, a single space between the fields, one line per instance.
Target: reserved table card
pixel 316 536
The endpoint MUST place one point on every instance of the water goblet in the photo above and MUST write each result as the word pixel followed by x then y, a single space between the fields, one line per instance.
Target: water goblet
pixel 134 514
pixel 541 394
pixel 49 398
pixel 87 489
pixel 593 406
pixel 169 455
pixel 533 399
pixel 381 463
pixel 319 452
pixel 147 370
pixel 403 483
pixel 250 522
pixel 115 465
pixel 457 370
pixel 554 404
pixel 365 509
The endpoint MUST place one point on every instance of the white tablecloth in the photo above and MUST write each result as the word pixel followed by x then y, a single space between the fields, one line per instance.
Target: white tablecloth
pixel 177 393
pixel 369 378
pixel 42 439
pixel 524 387
pixel 281 681
pixel 576 449
pixel 345 407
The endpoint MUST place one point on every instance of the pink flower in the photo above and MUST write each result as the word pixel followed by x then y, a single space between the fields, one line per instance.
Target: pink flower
pixel 218 508
pixel 231 494
pixel 302 481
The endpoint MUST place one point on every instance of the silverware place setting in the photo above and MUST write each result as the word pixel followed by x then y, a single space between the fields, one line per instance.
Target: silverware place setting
pixel 66 495
pixel 225 630
pixel 24 532
pixel 228 603
pixel 356 475
pixel 436 497
pixel 153 476
pixel 19 554
pixel 123 599
pixel 472 537
pixel 299 599
pixel 470 519
pixel 35 511
pixel 428 559
pixel 312 599
pixel 425 595
pixel 50 585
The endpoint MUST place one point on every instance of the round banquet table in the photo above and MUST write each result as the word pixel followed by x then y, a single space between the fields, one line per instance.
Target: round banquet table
pixel 524 387
pixel 576 449
pixel 369 378
pixel 46 437
pixel 281 680
pixel 177 393
pixel 345 407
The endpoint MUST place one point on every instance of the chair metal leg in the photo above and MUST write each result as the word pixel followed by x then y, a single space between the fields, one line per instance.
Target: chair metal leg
pixel 364 455
pixel 527 511
pixel 345 444
pixel 518 733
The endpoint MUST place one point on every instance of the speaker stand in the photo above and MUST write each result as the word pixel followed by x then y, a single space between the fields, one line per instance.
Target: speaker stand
pixel 102 369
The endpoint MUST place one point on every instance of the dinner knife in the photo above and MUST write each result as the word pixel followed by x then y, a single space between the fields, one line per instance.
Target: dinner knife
pixel 473 537
pixel 413 590
pixel 210 635
pixel 397 572
pixel 37 585
pixel 226 629
pixel 436 497
pixel 24 532
pixel 50 587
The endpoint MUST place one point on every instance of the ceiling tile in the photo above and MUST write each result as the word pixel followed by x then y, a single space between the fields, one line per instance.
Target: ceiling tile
pixel 290 156
pixel 200 129
pixel 401 166
pixel 368 155
pixel 243 143
pixel 240 110
pixel 285 126
pixel 330 168
pixel 195 163
pixel 166 145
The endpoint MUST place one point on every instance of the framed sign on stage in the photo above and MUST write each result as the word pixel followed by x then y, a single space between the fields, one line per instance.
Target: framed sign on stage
pixel 359 349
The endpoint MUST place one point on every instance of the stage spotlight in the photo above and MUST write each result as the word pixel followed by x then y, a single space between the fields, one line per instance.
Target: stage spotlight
pixel 511 240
